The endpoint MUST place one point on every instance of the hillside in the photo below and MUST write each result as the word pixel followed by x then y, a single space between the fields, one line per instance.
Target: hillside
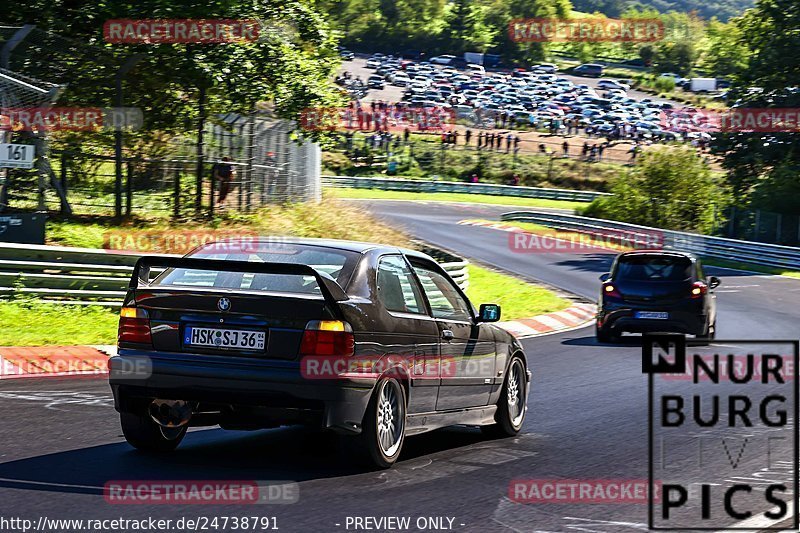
pixel 722 9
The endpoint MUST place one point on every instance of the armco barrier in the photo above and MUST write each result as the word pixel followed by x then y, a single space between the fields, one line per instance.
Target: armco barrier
pixel 428 186
pixel 771 255
pixel 88 276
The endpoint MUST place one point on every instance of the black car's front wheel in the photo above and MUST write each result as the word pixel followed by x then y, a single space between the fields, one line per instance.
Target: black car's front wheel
pixel 384 428
pixel 143 433
pixel 511 406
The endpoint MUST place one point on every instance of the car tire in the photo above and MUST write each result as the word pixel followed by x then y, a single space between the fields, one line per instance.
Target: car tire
pixel 384 427
pixel 511 407
pixel 144 434
pixel 605 336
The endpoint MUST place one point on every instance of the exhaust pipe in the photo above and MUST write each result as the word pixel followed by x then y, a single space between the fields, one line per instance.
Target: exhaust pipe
pixel 171 413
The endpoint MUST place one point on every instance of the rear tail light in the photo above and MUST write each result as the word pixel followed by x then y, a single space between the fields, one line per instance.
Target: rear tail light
pixel 699 289
pixel 327 337
pixel 611 291
pixel 134 326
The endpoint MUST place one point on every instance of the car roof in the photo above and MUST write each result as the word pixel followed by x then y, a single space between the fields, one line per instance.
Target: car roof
pixel 673 253
pixel 337 244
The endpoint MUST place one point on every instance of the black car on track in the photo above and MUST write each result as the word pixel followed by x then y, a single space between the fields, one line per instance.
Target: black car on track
pixel 369 341
pixel 656 291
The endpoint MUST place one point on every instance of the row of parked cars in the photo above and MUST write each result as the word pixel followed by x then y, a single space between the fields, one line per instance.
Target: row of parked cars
pixel 536 97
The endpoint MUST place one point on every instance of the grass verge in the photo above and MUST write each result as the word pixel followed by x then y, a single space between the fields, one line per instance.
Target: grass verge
pixel 452 197
pixel 30 323
pixel 329 219
pixel 517 298
pixel 27 322
pixel 751 267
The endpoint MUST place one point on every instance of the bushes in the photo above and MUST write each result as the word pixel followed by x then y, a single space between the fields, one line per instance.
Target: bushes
pixel 664 84
pixel 671 188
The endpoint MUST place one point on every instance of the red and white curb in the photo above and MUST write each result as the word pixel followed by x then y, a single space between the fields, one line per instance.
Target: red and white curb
pixel 53 361
pixel 502 226
pixel 570 318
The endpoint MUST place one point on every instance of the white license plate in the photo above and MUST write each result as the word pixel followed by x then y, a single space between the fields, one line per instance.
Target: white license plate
pixel 656 315
pixel 224 338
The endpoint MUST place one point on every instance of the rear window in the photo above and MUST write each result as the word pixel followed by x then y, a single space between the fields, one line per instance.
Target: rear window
pixel 653 268
pixel 339 264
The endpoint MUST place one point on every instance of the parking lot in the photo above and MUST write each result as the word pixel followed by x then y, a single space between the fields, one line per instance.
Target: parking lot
pixel 586 114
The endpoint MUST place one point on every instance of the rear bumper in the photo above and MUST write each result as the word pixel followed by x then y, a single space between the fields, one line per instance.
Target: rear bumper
pixel 619 320
pixel 273 387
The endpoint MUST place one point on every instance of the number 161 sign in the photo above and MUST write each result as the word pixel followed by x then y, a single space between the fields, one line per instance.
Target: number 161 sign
pixel 16 155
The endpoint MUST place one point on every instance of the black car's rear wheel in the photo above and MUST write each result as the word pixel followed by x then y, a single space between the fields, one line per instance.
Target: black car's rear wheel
pixel 142 432
pixel 384 428
pixel 511 405
pixel 605 336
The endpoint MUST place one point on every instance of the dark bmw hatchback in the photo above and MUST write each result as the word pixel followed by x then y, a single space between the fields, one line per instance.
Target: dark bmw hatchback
pixel 650 291
pixel 364 340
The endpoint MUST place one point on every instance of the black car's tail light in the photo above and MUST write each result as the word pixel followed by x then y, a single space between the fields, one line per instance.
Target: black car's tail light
pixel 327 337
pixel 699 289
pixel 134 326
pixel 611 291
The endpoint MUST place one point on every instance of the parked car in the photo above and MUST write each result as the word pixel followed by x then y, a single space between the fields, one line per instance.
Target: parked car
pixel 442 60
pixel 375 82
pixel 649 291
pixel 548 68
pixel 591 70
pixel 369 341
pixel 347 55
pixel 606 83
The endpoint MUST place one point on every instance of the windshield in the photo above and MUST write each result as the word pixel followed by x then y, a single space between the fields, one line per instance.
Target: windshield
pixel 339 264
pixel 653 268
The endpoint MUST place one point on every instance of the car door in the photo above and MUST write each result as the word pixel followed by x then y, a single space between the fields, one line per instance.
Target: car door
pixel 467 347
pixel 408 331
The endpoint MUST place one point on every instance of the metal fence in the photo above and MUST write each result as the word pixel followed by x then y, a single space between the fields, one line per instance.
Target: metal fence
pixel 88 276
pixel 770 255
pixel 270 168
pixel 430 186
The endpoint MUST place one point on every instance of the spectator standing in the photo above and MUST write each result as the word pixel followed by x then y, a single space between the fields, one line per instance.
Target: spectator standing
pixel 224 174
pixel 565 147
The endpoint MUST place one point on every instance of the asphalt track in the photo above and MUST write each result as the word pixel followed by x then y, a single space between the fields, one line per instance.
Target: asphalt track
pixel 60 441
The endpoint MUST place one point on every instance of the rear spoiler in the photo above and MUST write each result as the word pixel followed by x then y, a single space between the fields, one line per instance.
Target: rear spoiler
pixel 331 290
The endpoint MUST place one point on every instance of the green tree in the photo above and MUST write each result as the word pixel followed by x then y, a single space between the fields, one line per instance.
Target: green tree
pixel 726 53
pixel 290 64
pixel 670 188
pixel 762 166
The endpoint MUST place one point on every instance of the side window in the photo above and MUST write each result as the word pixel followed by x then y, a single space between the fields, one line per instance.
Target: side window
pixel 445 300
pixel 397 289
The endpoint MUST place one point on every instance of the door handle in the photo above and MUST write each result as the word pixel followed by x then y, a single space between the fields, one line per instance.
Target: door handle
pixel 447 335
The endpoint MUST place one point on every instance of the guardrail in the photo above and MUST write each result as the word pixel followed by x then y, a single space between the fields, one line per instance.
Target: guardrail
pixel 430 186
pixel 771 255
pixel 88 276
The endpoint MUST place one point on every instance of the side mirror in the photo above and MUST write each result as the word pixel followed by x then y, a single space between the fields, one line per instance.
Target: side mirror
pixel 489 313
pixel 605 276
pixel 713 282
